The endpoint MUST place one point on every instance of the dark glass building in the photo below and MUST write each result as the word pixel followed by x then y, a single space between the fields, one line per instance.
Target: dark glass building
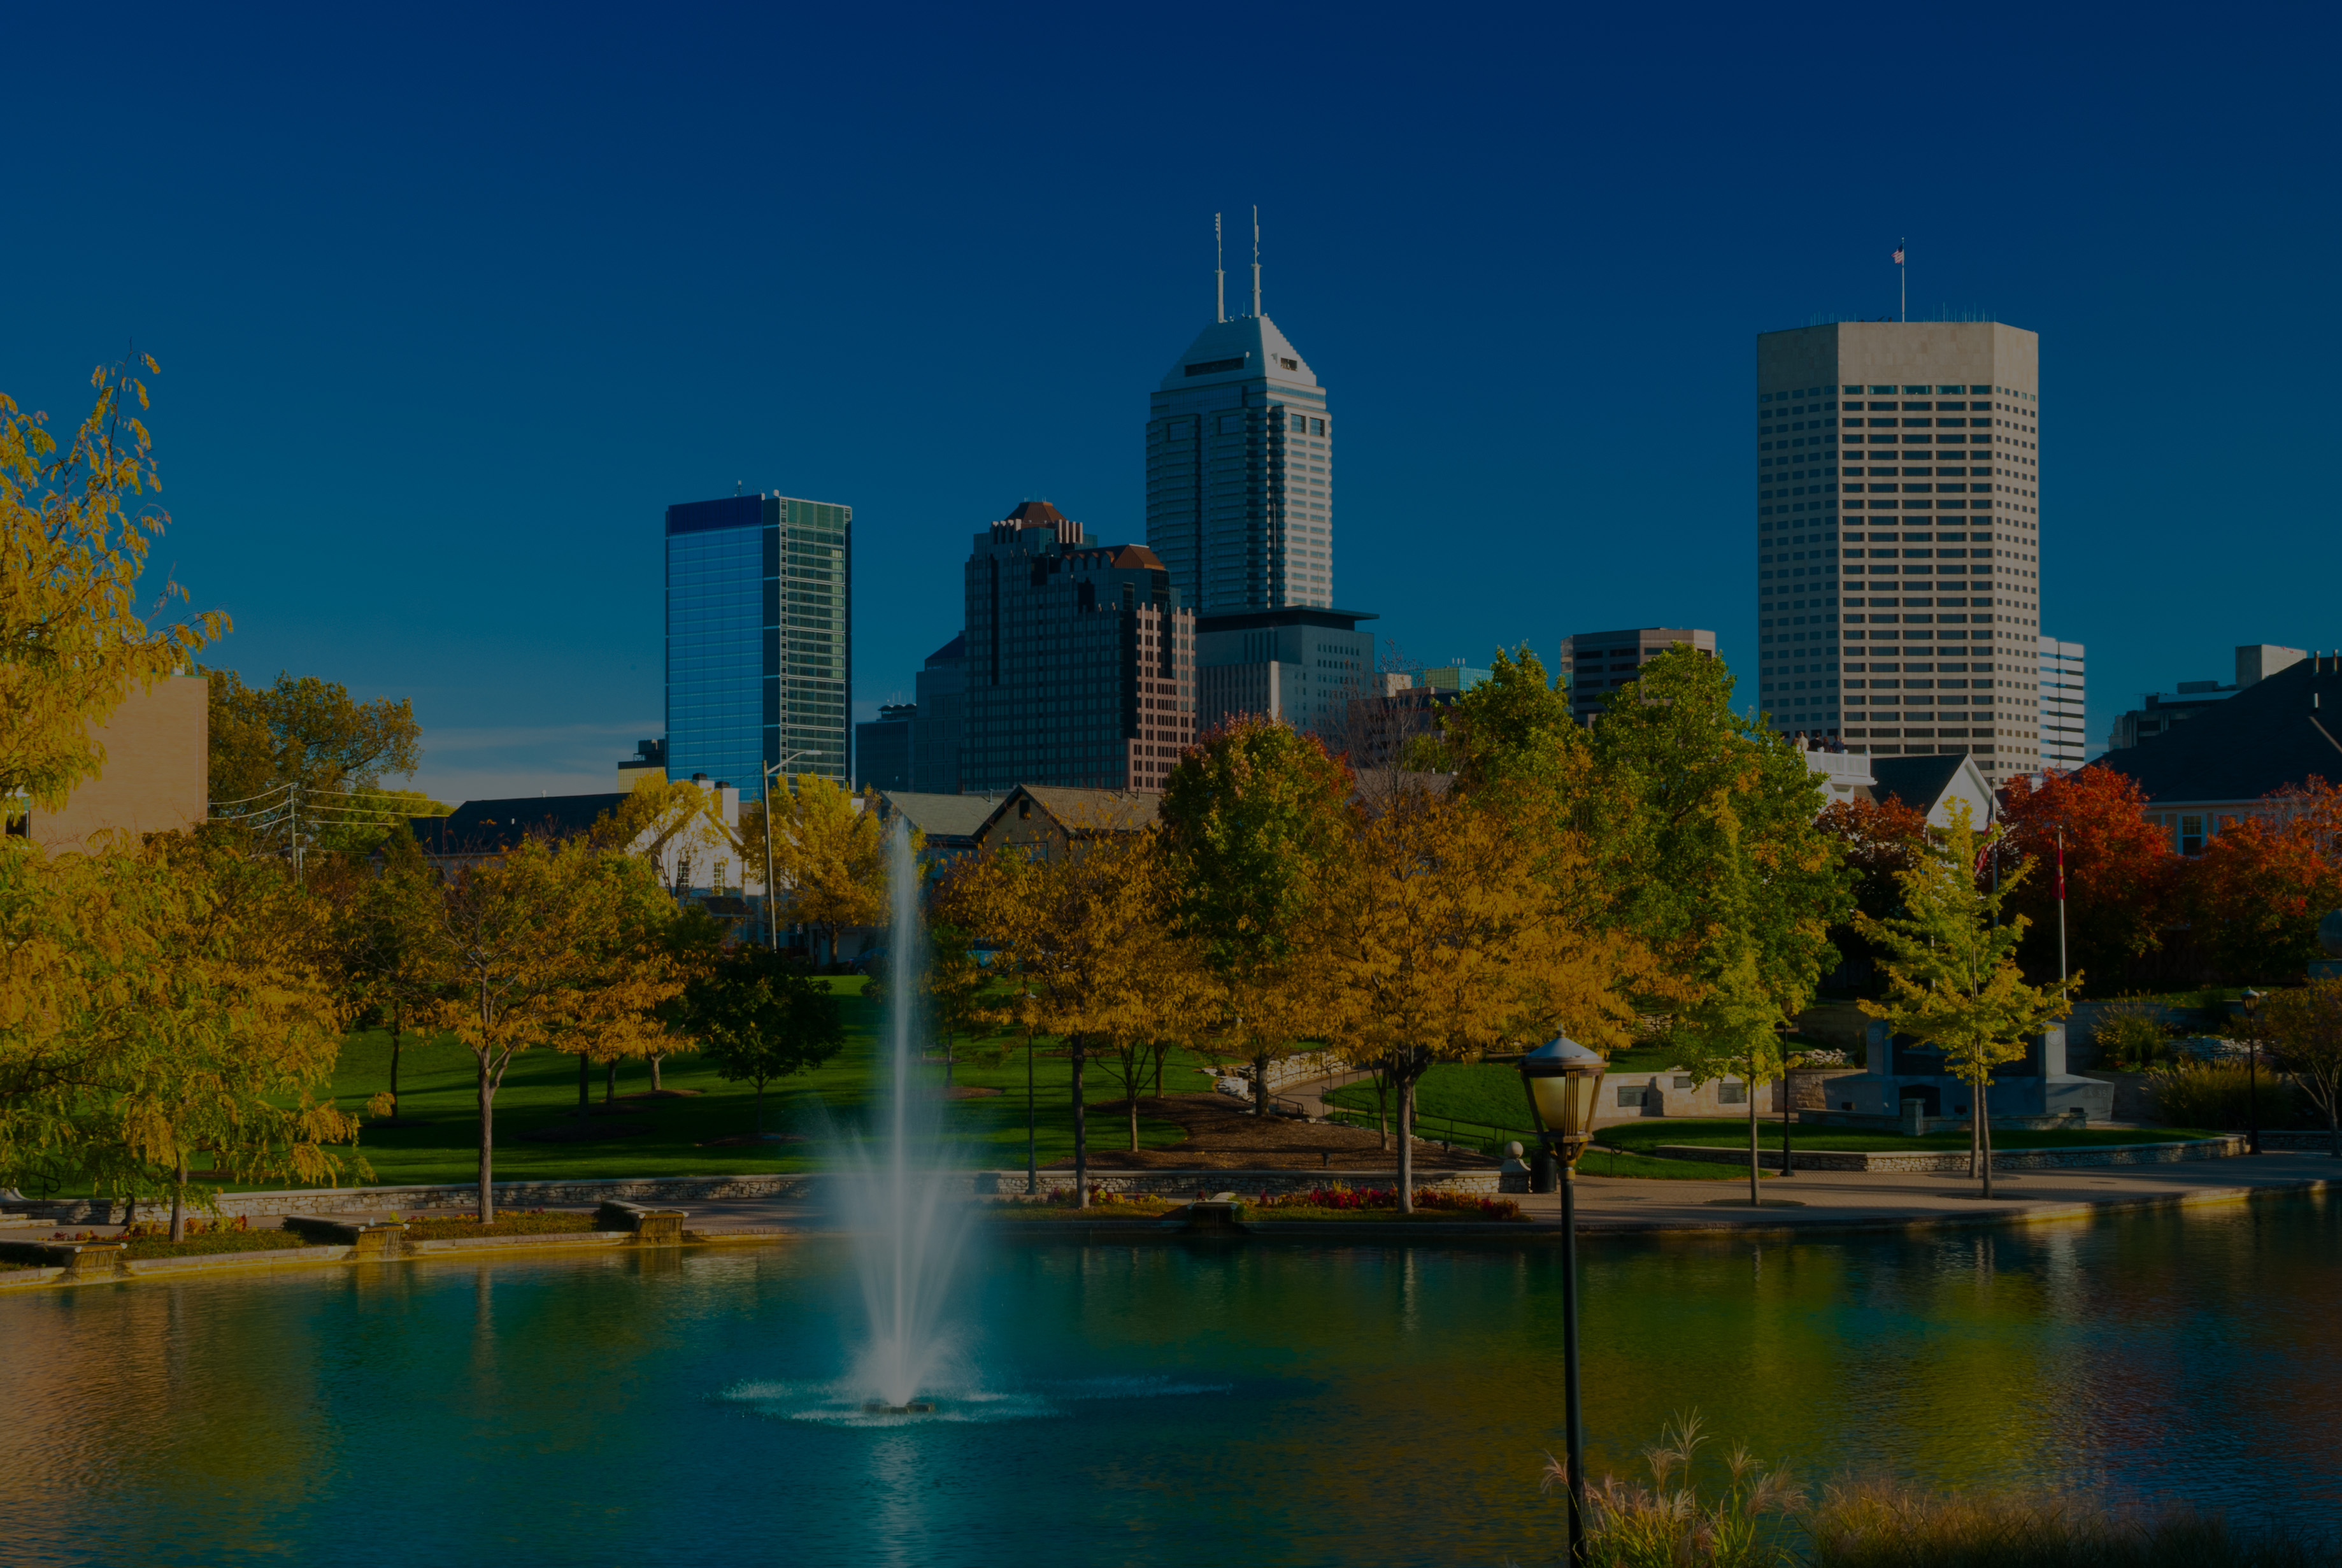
pixel 1081 660
pixel 882 748
pixel 758 638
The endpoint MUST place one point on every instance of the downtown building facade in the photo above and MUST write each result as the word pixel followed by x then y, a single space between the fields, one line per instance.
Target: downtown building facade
pixel 759 650
pixel 1240 471
pixel 1080 660
pixel 2065 697
pixel 1600 662
pixel 1898 529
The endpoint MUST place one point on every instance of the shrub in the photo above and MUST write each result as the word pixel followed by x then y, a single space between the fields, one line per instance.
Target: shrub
pixel 2131 1034
pixel 432 1226
pixel 2192 1093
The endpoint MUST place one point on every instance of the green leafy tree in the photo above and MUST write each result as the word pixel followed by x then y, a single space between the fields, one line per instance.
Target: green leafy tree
pixel 75 531
pixel 1954 985
pixel 1735 1028
pixel 379 914
pixel 758 1016
pixel 302 756
pixel 1706 826
pixel 1251 815
pixel 955 987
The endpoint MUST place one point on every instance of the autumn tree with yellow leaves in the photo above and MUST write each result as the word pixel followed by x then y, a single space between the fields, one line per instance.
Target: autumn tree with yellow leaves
pixel 165 1017
pixel 1087 941
pixel 75 532
pixel 548 945
pixel 1444 942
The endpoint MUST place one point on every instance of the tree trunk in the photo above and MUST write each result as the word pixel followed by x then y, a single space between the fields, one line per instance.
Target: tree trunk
pixel 1159 1054
pixel 1754 1199
pixel 610 1083
pixel 585 1085
pixel 1789 1166
pixel 397 1039
pixel 179 1203
pixel 1382 1108
pixel 1081 1136
pixel 1984 1136
pixel 1132 1081
pixel 656 1059
pixel 1407 1144
pixel 1975 1123
pixel 487 1147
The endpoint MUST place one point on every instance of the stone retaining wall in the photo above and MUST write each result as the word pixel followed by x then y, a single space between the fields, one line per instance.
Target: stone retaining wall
pixel 1956 1160
pixel 802 1188
pixel 1244 1183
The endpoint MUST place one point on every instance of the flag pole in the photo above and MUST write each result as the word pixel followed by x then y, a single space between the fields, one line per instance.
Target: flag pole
pixel 1903 269
pixel 2061 908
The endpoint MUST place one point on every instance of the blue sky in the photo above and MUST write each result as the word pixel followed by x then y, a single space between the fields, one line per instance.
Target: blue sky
pixel 451 303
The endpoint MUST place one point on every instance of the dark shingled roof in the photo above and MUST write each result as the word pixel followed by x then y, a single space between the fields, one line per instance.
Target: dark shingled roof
pixel 2279 732
pixel 1918 782
pixel 485 826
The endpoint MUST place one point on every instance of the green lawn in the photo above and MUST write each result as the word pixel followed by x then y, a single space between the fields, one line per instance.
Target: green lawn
pixel 436 1084
pixel 1728 1131
pixel 1484 1094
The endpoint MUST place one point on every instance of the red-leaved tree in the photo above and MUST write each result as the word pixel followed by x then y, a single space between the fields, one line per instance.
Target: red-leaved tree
pixel 2119 872
pixel 2256 895
pixel 1878 841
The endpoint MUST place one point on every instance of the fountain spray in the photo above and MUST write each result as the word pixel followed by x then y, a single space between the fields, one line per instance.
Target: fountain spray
pixel 911 1219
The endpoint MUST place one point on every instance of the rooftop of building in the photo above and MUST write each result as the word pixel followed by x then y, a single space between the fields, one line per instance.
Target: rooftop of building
pixel 1240 348
pixel 946 820
pixel 1285 615
pixel 2276 733
pixel 479 825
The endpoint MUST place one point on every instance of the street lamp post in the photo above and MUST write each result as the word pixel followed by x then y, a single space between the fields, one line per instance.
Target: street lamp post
pixel 1562 1079
pixel 772 927
pixel 2253 1071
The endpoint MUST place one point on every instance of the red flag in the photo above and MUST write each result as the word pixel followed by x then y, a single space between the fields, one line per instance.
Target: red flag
pixel 2061 868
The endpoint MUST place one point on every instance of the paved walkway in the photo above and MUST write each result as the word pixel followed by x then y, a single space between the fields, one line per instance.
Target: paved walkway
pixel 1879 1199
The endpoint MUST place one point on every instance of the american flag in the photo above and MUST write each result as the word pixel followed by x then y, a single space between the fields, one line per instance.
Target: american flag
pixel 1898 255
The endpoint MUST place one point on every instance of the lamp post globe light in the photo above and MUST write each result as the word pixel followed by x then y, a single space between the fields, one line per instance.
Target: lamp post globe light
pixel 1562 1079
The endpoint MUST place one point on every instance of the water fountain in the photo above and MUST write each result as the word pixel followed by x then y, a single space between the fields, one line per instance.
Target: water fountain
pixel 909 1213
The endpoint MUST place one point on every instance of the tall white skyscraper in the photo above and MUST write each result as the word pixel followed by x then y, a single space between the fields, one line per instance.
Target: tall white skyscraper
pixel 1898 528
pixel 1240 469
pixel 2064 737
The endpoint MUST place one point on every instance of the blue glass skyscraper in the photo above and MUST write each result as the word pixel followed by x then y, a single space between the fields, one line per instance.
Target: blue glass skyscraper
pixel 758 638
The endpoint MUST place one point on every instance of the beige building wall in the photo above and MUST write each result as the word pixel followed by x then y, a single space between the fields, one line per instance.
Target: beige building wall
pixel 1899 537
pixel 157 768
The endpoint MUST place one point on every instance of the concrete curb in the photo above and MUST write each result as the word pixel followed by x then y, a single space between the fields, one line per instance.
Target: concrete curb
pixel 1955 1161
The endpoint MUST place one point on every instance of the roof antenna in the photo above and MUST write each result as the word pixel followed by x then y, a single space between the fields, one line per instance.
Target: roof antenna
pixel 1220 274
pixel 1255 261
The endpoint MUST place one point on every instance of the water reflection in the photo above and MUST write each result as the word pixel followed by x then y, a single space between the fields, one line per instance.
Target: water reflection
pixel 1158 1404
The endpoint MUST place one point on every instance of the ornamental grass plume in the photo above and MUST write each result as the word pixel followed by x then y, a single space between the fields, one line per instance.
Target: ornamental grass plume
pixel 1755 1517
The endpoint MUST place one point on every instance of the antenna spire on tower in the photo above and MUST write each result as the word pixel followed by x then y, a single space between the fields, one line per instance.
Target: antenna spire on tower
pixel 1220 274
pixel 1255 261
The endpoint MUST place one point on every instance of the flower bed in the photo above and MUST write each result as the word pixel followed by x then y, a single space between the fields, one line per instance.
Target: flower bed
pixel 1340 1201
pixel 152 1239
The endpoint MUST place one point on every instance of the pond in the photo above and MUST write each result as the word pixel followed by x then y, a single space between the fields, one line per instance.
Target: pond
pixel 1255 1405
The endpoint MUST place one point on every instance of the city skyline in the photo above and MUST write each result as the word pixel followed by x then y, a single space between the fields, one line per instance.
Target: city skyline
pixel 1534 292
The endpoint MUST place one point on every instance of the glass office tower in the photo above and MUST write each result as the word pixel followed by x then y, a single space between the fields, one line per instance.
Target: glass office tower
pixel 758 638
